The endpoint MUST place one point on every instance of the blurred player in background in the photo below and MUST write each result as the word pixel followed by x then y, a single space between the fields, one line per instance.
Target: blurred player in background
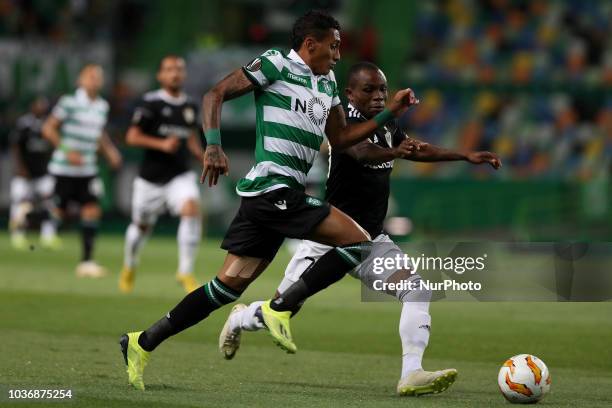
pixel 32 187
pixel 366 168
pixel 165 124
pixel 76 130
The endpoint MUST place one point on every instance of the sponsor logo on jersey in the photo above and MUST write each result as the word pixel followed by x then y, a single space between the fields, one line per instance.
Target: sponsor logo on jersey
pixel 297 78
pixel 317 112
pixel 314 108
pixel 315 202
pixel 380 166
pixel 174 130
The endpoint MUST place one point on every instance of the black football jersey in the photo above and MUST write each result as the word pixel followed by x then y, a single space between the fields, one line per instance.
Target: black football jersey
pixel 159 114
pixel 360 189
pixel 34 150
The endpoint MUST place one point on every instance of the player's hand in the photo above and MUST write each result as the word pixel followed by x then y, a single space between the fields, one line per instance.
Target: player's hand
pixel 74 157
pixel 409 147
pixel 170 144
pixel 215 163
pixel 403 100
pixel 484 157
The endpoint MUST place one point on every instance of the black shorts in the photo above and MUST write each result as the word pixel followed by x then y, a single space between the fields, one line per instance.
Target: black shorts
pixel 263 222
pixel 79 190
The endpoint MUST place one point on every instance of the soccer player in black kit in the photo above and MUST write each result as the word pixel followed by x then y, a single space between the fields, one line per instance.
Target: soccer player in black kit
pixel 32 186
pixel 165 124
pixel 358 184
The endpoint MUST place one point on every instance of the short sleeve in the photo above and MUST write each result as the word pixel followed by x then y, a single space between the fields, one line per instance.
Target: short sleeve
pixel 265 69
pixel 143 114
pixel 61 108
pixel 335 92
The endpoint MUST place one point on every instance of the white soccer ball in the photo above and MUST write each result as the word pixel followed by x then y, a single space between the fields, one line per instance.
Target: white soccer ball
pixel 524 379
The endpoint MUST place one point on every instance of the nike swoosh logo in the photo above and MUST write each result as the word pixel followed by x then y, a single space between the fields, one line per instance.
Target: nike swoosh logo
pixel 281 205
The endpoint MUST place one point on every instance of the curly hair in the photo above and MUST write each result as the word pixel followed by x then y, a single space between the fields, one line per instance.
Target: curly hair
pixel 315 23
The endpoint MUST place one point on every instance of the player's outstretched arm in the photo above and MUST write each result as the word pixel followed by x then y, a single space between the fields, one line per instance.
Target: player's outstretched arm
pixel 341 135
pixel 433 153
pixel 371 153
pixel 50 130
pixel 215 161
pixel 137 138
pixel 110 151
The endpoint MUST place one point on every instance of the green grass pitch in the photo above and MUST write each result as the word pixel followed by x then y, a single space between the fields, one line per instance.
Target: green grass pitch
pixel 58 331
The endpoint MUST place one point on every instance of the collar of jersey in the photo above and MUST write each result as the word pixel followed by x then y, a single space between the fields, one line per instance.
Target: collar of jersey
pixel 172 100
pixel 294 56
pixel 81 96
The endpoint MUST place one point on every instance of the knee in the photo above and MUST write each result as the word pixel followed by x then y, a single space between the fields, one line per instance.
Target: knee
pixel 238 272
pixel 191 208
pixel 358 235
pixel 234 283
pixel 91 212
pixel 144 228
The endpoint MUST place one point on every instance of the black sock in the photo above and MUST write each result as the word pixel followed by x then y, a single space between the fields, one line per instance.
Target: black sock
pixel 194 308
pixel 329 269
pixel 154 335
pixel 89 230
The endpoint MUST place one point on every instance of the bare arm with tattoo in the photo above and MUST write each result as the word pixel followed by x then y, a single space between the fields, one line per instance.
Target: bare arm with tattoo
pixel 215 161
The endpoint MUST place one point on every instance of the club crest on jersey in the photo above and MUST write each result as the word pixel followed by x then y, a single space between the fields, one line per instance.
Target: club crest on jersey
pixel 188 115
pixel 326 87
pixel 254 65
pixel 388 137
pixel 166 111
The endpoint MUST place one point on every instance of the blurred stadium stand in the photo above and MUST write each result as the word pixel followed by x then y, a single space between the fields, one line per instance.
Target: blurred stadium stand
pixel 530 80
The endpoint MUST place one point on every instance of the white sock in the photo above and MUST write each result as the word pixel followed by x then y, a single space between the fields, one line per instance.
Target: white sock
pixel 414 327
pixel 246 319
pixel 188 237
pixel 134 240
pixel 18 213
pixel 48 229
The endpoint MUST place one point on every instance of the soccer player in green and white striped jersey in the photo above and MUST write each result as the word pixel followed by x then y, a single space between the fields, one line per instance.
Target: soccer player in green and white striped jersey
pixel 297 103
pixel 76 129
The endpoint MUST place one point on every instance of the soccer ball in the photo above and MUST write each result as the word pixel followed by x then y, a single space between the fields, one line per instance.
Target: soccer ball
pixel 524 379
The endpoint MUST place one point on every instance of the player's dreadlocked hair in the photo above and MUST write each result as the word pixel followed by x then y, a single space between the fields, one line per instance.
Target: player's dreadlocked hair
pixel 315 23
pixel 357 68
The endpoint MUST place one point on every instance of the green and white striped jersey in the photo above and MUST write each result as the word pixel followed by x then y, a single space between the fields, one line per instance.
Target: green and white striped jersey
pixel 292 106
pixel 83 122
